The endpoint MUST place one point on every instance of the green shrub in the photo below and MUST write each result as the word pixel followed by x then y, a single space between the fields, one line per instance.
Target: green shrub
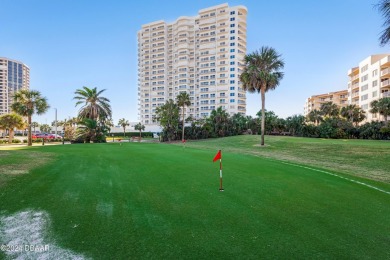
pixel 130 134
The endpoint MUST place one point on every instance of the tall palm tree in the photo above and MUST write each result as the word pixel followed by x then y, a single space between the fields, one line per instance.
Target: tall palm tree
pixel 11 121
pixel 94 106
pixel 123 122
pixel 28 102
pixel 182 100
pixel 384 8
pixel 261 74
pixel 381 106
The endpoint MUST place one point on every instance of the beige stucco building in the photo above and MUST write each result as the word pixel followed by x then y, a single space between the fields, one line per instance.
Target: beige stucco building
pixel 201 55
pixel 14 75
pixel 367 82
pixel 339 98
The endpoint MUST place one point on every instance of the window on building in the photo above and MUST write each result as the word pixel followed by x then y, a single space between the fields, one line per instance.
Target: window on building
pixel 364 87
pixel 364 68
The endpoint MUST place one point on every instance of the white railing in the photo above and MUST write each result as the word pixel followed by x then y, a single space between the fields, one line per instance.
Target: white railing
pixel 385 83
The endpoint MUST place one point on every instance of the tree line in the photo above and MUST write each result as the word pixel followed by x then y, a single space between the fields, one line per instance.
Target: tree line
pixel 329 121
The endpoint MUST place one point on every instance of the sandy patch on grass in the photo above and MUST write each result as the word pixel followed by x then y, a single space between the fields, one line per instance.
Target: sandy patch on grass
pixel 24 235
pixel 25 162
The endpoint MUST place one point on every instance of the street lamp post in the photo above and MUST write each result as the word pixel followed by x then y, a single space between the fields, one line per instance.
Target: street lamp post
pixel 55 124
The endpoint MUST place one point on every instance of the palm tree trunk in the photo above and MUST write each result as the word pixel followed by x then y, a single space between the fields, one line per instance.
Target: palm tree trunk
pixel 182 138
pixel 29 131
pixel 10 135
pixel 124 132
pixel 262 114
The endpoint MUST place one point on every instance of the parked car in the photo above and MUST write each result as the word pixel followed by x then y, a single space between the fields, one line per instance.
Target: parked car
pixel 44 136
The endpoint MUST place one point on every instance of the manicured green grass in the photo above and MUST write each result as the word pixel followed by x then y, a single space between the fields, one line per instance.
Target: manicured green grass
pixel 368 159
pixel 140 200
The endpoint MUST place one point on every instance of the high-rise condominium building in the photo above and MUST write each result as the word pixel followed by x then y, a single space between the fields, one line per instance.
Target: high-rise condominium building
pixel 14 75
pixel 339 98
pixel 368 82
pixel 201 55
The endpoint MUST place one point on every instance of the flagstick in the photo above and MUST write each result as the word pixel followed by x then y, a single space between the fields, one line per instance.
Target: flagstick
pixel 220 175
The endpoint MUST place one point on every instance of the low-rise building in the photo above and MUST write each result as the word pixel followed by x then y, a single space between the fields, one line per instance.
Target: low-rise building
pixel 339 98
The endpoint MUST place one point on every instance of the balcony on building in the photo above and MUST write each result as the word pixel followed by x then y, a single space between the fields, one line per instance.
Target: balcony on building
pixel 385 73
pixel 355 86
pixel 385 84
pixel 385 94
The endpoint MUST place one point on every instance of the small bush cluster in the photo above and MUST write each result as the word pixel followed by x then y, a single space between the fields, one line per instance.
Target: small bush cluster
pixel 131 134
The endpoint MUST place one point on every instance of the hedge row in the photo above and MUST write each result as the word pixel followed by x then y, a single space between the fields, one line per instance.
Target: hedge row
pixel 130 134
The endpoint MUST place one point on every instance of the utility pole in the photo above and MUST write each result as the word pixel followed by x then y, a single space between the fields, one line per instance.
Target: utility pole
pixel 56 124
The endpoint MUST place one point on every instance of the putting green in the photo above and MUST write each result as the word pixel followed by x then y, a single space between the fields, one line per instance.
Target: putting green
pixel 141 200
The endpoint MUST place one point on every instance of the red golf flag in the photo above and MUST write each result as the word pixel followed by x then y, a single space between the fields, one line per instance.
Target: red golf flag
pixel 217 156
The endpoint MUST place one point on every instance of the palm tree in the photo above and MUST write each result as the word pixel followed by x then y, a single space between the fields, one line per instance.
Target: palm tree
pixel 384 8
pixel 28 102
pixel 381 106
pixel 261 74
pixel 315 116
pixel 94 105
pixel 219 120
pixel 353 113
pixel 168 117
pixel 45 128
pixel 123 122
pixel 140 127
pixel 11 121
pixel 34 125
pixel 329 109
pixel 87 129
pixel 182 100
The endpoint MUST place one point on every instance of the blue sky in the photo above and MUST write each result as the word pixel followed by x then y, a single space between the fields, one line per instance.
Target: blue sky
pixel 70 44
